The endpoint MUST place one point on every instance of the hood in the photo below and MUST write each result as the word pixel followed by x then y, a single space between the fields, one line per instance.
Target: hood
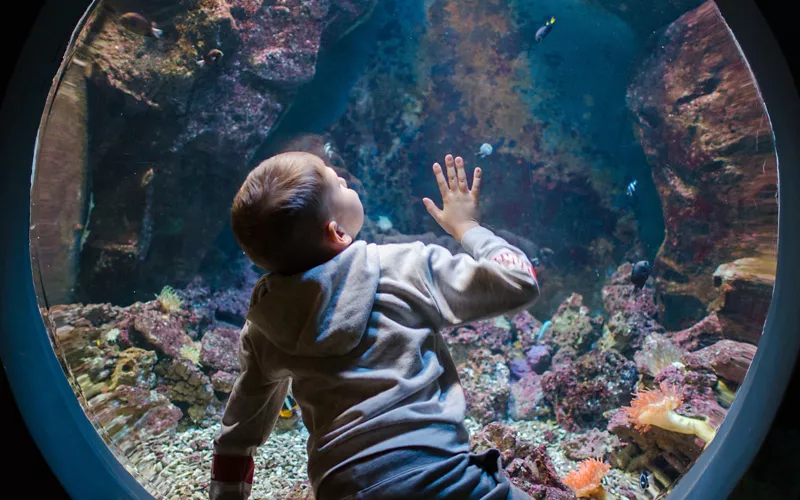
pixel 323 311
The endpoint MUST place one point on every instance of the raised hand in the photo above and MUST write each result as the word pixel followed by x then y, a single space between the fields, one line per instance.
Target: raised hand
pixel 459 211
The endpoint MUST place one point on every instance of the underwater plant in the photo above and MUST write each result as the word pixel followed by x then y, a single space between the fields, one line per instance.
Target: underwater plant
pixel 587 481
pixel 191 352
pixel 657 407
pixel 169 300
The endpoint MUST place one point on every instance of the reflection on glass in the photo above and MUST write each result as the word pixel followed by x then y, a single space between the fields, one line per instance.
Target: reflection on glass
pixel 624 147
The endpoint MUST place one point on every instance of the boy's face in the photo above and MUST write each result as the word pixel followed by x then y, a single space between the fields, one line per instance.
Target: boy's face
pixel 345 204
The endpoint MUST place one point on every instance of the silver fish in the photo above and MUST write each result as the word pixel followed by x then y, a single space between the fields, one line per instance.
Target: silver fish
pixel 632 187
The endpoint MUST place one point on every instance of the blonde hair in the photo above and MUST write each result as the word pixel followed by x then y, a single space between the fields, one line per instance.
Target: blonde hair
pixel 279 214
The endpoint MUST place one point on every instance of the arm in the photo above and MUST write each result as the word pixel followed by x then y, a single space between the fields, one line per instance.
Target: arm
pixel 250 415
pixel 496 278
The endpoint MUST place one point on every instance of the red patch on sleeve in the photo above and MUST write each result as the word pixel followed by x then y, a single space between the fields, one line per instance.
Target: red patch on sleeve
pixel 513 261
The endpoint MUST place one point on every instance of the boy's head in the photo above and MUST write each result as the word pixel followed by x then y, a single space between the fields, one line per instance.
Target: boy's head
pixel 293 212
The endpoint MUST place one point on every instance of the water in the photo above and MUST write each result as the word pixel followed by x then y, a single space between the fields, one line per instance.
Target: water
pixel 145 289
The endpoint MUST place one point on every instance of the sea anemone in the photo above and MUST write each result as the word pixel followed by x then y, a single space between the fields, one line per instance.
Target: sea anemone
pixel 657 407
pixel 169 300
pixel 587 481
pixel 657 354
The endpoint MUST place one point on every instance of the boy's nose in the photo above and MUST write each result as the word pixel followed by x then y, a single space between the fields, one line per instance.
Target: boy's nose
pixel 344 182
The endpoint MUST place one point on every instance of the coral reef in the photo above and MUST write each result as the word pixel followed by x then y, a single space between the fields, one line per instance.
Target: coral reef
pixel 526 400
pixel 485 378
pixel 164 333
pixel 706 135
pixel 527 465
pixel 221 350
pixel 223 382
pixel 745 293
pixel 536 360
pixel 594 443
pixel 727 358
pixel 573 327
pixel 182 133
pixel 581 392
pixel 704 333
pixel 657 353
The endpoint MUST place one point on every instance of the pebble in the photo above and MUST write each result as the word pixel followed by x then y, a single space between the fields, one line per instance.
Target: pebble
pixel 281 462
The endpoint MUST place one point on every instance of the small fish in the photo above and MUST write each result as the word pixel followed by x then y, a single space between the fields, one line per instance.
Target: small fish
pixel 289 406
pixel 644 480
pixel 98 343
pixel 640 273
pixel 214 56
pixel 545 30
pixel 485 150
pixel 632 187
pixel 543 329
pixel 137 23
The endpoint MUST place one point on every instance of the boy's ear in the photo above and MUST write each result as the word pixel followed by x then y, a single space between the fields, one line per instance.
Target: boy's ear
pixel 338 234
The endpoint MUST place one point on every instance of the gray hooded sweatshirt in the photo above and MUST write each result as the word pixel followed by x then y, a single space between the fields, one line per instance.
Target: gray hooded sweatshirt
pixel 358 337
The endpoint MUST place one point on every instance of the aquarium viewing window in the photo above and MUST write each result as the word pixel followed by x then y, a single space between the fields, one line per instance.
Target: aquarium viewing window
pixel 629 149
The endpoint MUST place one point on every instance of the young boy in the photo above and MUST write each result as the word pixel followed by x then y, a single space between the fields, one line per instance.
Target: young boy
pixel 355 327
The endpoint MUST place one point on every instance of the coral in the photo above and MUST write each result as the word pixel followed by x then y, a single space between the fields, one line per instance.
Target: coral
pixel 706 135
pixel 220 350
pixel 168 300
pixel 155 94
pixel 191 352
pixel 223 381
pixel 697 390
pixel 160 332
pixel 301 491
pixel 526 400
pixel 536 360
pixel 620 295
pixel 485 379
pixel 704 333
pixel 580 392
pixel 573 327
pixel 655 449
pixel 656 407
pixel 656 354
pixel 494 334
pixel 586 482
pixel 134 367
pixel 183 382
pixel 528 466
pixel 745 293
pixel 626 331
pixel 727 358
pixel 594 443
pixel 130 415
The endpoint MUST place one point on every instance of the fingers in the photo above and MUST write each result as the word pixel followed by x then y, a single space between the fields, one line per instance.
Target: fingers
pixel 476 183
pixel 452 181
pixel 432 209
pixel 461 175
pixel 440 180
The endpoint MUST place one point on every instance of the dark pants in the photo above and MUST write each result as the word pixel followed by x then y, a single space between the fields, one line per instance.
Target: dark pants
pixel 422 474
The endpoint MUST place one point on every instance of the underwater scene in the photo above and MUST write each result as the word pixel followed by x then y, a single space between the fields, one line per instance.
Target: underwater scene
pixel 624 147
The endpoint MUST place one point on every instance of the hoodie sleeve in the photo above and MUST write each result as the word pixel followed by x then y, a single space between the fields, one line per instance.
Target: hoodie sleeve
pixel 495 278
pixel 250 415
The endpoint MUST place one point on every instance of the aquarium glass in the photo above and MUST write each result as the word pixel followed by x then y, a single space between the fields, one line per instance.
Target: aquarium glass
pixel 624 148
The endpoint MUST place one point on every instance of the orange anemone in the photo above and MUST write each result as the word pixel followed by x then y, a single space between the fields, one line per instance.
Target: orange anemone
pixel 586 482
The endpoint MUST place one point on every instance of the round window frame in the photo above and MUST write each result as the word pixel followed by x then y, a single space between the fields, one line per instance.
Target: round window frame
pixel 87 468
